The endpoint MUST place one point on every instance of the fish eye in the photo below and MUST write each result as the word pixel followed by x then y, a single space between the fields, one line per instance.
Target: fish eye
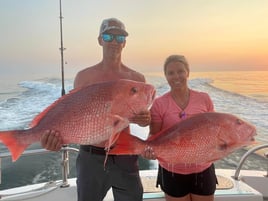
pixel 116 123
pixel 239 121
pixel 223 146
pixel 134 90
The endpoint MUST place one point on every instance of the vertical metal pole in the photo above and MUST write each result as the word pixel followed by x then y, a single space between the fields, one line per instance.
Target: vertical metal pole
pixel 0 170
pixel 65 168
pixel 266 155
pixel 61 51
pixel 65 153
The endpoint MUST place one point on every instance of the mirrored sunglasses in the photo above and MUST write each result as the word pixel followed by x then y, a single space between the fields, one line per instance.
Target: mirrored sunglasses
pixel 110 37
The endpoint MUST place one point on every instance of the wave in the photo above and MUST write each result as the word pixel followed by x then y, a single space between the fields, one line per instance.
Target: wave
pixel 247 108
pixel 17 112
pixel 201 84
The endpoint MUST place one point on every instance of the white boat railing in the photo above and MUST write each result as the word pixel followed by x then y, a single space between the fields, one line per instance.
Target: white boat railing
pixel 65 164
pixel 244 157
pixel 65 160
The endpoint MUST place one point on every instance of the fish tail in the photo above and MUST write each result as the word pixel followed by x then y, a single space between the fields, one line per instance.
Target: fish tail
pixel 128 144
pixel 14 145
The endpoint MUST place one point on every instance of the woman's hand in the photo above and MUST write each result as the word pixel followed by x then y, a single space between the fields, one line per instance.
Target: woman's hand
pixel 148 153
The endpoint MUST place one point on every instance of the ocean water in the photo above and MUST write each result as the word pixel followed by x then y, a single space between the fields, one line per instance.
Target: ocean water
pixel 243 93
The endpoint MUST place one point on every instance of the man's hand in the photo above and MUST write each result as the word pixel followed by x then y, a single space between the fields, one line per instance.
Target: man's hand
pixel 51 140
pixel 142 119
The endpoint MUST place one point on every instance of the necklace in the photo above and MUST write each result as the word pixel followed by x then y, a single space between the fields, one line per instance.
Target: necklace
pixel 182 114
pixel 182 101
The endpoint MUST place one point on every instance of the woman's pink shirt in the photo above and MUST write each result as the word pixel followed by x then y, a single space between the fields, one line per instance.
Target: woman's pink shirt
pixel 164 110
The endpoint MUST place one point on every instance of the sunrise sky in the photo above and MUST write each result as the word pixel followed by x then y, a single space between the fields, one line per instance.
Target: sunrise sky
pixel 214 35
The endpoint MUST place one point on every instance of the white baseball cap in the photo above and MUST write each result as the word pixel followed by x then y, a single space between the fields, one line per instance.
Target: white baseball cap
pixel 112 24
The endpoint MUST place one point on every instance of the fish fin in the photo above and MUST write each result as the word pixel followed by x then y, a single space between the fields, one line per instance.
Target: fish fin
pixel 127 144
pixel 13 144
pixel 111 141
pixel 108 145
pixel 119 124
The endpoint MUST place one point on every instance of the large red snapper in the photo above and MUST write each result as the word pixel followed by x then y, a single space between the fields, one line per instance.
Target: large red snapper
pixel 88 115
pixel 200 139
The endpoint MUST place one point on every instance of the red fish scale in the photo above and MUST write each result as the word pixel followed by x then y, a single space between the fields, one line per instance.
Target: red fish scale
pixel 89 115
pixel 203 138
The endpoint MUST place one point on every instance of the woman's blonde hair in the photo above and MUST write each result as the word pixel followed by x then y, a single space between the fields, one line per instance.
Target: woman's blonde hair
pixel 176 58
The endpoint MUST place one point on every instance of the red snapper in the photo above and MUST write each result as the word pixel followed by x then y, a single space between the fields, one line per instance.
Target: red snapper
pixel 87 115
pixel 202 138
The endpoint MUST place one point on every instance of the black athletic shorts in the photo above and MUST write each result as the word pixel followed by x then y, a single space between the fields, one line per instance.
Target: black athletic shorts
pixel 179 185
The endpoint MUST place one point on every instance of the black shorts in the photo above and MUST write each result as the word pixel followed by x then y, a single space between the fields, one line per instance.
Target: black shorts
pixel 179 185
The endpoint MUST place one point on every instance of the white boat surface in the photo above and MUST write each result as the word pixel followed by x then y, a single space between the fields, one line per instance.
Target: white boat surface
pixel 235 185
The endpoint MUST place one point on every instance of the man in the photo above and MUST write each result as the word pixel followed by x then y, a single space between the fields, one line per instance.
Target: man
pixel 120 172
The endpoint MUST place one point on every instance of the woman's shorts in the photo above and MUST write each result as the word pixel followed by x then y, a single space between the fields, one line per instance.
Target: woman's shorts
pixel 179 185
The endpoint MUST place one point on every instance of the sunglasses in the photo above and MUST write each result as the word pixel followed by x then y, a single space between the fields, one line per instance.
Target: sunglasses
pixel 110 37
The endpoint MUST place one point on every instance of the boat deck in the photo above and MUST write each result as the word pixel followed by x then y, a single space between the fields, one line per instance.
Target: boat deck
pixel 251 185
pixel 228 189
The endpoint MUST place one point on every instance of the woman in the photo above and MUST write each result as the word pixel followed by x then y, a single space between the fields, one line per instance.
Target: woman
pixel 191 182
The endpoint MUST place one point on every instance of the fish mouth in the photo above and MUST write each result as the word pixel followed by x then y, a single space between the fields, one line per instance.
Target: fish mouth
pixel 150 98
pixel 253 134
pixel 252 139
pixel 150 102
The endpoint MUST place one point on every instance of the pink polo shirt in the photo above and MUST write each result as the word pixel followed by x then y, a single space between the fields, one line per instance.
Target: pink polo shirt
pixel 164 110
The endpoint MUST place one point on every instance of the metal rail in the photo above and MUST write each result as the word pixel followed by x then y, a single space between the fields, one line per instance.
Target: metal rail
pixel 65 160
pixel 65 164
pixel 244 157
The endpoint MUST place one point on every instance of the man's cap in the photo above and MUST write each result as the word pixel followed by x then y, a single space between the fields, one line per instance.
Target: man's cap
pixel 112 24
